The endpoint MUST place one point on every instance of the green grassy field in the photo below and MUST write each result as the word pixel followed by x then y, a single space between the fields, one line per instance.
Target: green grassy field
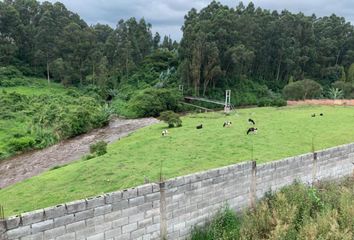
pixel 282 132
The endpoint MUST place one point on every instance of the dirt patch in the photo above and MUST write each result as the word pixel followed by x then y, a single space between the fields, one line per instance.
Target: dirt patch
pixel 33 163
pixel 328 102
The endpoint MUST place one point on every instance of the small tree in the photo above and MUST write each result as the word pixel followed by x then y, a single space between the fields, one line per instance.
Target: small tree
pixel 335 93
pixel 171 118
pixel 304 89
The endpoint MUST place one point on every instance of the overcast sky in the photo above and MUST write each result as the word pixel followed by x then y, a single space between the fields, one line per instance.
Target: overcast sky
pixel 166 16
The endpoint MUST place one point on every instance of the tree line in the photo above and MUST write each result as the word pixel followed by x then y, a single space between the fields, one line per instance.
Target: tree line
pixel 45 39
pixel 242 47
pixel 222 46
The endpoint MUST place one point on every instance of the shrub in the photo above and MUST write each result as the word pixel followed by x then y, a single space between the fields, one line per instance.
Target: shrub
pixel 10 72
pixel 335 93
pixel 295 212
pixel 99 148
pixel 171 118
pixel 225 225
pixel 304 89
pixel 279 102
pixel 21 144
pixel 346 87
pixel 151 102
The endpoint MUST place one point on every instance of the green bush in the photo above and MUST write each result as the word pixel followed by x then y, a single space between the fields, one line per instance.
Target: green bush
pixel 21 144
pixel 99 148
pixel 304 89
pixel 10 72
pixel 43 120
pixel 151 102
pixel 171 118
pixel 225 225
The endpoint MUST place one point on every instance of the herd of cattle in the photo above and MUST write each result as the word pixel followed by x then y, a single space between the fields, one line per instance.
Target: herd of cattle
pixel 228 124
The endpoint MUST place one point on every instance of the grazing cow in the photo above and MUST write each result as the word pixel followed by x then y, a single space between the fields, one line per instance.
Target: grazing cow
pixel 251 121
pixel 251 130
pixel 321 114
pixel 227 124
pixel 313 115
pixel 200 126
pixel 164 132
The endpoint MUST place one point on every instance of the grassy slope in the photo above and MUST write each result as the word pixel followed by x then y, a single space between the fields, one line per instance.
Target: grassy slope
pixel 282 132
pixel 20 124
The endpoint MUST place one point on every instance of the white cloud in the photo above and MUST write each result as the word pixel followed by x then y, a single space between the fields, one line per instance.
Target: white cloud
pixel 167 16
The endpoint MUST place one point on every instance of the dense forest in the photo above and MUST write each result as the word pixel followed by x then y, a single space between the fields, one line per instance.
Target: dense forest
pixel 255 52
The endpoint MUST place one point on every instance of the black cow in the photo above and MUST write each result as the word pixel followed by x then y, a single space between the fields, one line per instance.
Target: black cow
pixel 251 130
pixel 200 126
pixel 251 121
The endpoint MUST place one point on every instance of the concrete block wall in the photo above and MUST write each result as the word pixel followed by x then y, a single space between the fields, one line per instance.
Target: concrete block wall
pixel 192 200
pixel 170 210
pixel 127 214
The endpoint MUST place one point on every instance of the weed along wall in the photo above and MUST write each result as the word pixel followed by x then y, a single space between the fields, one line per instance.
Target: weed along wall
pixel 169 210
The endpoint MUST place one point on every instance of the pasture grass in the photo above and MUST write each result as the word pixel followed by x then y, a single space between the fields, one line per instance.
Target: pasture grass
pixel 282 132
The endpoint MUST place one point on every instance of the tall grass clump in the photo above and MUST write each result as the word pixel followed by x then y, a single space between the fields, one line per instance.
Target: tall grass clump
pixel 295 212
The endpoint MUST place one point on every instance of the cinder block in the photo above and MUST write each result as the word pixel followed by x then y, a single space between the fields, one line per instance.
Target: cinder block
pixel 32 217
pixel 146 206
pixel 18 232
pixel 99 236
pixel 101 228
pixel 42 226
pixel 76 226
pixel 129 228
pixel 95 202
pixel 145 222
pixel 152 197
pixel 54 212
pixel 153 228
pixel 155 187
pixel 102 210
pixel 136 201
pixel 136 218
pixel 95 221
pixel 137 233
pixel 76 206
pixel 10 223
pixel 144 189
pixel 130 193
pixel 61 221
pixel 123 237
pixel 113 233
pixel 123 204
pixel 110 217
pixel 68 236
pixel 113 197
pixel 83 233
pixel 120 222
pixel 84 215
pixel 37 236
pixel 129 211
pixel 55 232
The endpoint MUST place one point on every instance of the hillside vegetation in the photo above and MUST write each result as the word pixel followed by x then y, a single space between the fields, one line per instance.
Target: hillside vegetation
pixel 35 115
pixel 324 211
pixel 282 132
pixel 254 52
